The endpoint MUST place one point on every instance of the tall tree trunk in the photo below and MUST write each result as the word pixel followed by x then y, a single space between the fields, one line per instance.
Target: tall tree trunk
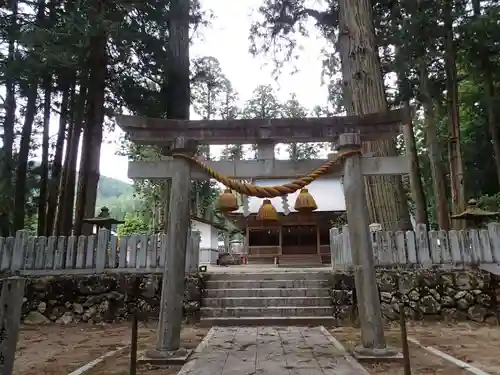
pixel 364 93
pixel 44 167
pixel 88 177
pixel 24 149
pixel 437 173
pixel 454 149
pixel 405 91
pixel 6 206
pixel 415 178
pixel 489 91
pixel 177 75
pixel 56 173
pixel 29 118
pixel 177 69
pixel 66 199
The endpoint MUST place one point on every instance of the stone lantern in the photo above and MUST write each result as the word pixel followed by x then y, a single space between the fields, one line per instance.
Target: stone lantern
pixel 474 216
pixel 103 220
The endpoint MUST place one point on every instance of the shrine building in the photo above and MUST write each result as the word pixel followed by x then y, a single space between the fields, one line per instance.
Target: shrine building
pixel 295 238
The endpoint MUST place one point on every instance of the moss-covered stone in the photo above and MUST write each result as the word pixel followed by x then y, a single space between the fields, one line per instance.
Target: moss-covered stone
pixel 426 293
pixel 103 298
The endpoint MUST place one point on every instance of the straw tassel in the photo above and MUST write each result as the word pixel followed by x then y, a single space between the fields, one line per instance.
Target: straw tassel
pixel 267 212
pixel 227 201
pixel 305 202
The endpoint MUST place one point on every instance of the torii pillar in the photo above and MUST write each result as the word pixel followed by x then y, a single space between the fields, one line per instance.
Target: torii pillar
pixel 373 344
pixel 167 348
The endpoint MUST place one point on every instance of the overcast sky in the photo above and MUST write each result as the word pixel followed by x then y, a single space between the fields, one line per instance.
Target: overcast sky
pixel 227 40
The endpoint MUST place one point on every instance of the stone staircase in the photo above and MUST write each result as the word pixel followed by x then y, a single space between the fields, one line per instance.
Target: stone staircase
pixel 313 260
pixel 270 298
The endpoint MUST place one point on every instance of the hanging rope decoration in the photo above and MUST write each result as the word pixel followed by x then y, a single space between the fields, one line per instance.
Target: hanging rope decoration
pixel 228 201
pixel 305 202
pixel 267 212
pixel 271 191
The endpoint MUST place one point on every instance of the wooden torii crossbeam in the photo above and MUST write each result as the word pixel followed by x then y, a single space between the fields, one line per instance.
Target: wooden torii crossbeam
pixel 266 168
pixel 183 136
pixel 162 132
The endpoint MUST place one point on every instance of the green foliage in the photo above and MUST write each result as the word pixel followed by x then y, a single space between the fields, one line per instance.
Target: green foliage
pixel 110 188
pixel 57 47
pixel 118 196
pixel 299 151
pixel 262 104
pixel 51 47
pixel 490 202
pixel 133 225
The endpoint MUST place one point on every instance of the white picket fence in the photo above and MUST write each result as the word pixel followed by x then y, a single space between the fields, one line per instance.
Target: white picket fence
pixel 423 247
pixel 94 254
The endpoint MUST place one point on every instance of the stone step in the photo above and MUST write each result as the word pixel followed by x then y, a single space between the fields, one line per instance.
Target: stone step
pixel 275 283
pixel 267 292
pixel 327 321
pixel 264 276
pixel 299 265
pixel 267 302
pixel 313 260
pixel 250 312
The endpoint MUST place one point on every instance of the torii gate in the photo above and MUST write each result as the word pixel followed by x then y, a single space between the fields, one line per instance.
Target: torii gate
pixel 182 137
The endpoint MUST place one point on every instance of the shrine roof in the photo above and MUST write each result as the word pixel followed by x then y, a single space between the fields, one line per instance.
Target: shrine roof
pixel 327 192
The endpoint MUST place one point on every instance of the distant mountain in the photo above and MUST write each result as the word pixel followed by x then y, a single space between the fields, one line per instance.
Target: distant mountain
pixel 110 187
pixel 117 195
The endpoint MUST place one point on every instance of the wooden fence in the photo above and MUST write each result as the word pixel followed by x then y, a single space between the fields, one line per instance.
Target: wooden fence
pixel 94 254
pixel 423 247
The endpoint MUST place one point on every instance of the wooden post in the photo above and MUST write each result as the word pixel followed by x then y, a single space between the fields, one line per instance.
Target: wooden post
pixel 193 252
pixel 101 252
pixel 334 246
pixel 135 325
pixel 11 300
pixel 404 339
pixel 318 242
pixel 226 241
pixel 196 240
pixel 172 294
pixel 19 251
pixel 372 327
pixel 189 255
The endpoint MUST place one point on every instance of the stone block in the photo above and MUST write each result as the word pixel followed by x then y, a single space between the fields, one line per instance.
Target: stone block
pixel 103 298
pixel 429 294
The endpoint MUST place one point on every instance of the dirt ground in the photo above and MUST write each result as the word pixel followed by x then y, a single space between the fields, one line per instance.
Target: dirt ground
pixel 191 336
pixel 58 350
pixel 475 344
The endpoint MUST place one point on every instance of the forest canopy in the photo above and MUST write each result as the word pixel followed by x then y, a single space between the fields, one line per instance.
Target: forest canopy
pixel 80 63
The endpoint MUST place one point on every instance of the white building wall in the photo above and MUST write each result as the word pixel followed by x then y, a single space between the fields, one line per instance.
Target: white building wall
pixel 214 238
pixel 205 232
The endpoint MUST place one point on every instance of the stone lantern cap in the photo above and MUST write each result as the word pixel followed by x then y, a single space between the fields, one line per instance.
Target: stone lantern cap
pixel 474 212
pixel 103 219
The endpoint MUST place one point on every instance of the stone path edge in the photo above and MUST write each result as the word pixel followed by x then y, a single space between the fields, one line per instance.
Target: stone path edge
pixel 189 365
pixel 349 358
pixel 90 365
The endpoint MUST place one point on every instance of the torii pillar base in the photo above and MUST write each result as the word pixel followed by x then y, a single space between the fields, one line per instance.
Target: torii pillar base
pixel 163 358
pixel 373 344
pixel 388 354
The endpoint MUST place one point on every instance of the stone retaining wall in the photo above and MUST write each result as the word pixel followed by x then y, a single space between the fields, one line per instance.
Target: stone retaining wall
pixel 96 299
pixel 427 294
